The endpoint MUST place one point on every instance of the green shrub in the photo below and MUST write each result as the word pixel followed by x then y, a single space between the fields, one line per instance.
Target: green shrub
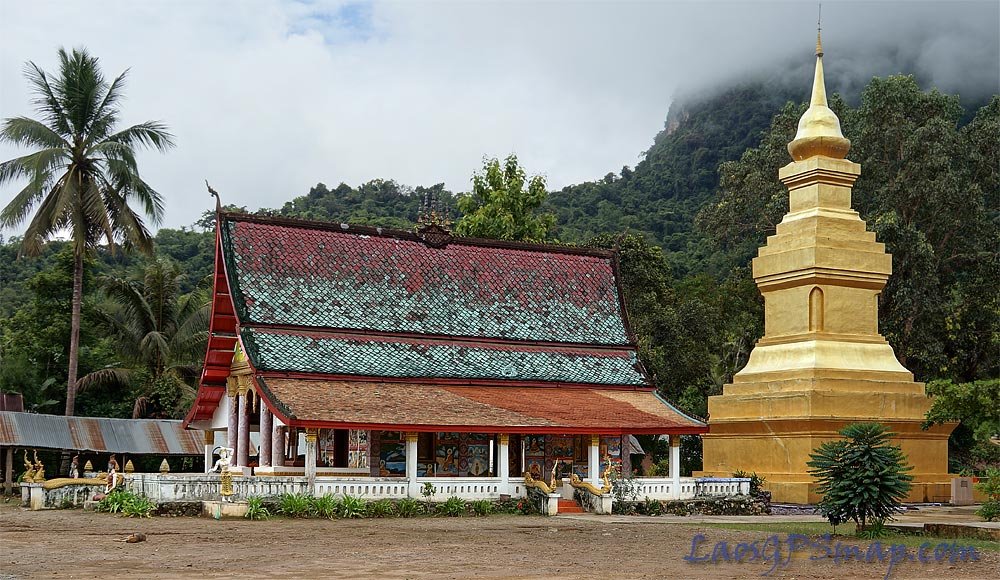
pixel 862 477
pixel 990 485
pixel 756 482
pixel 256 510
pixel 452 507
pixel 324 506
pixel 127 503
pixel 382 508
pixel 428 491
pixel 409 507
pixel 353 507
pixel 482 507
pixel 295 505
pixel 651 507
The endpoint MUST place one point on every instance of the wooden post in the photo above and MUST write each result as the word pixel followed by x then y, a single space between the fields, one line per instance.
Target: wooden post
pixel 8 471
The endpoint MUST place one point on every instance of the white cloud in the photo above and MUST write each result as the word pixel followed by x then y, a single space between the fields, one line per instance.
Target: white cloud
pixel 267 98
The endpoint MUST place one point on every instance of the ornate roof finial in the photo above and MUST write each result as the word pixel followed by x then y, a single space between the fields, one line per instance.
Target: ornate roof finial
pixel 819 128
pixel 819 29
pixel 433 225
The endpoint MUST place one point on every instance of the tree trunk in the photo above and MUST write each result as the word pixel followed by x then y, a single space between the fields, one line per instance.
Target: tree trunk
pixel 74 334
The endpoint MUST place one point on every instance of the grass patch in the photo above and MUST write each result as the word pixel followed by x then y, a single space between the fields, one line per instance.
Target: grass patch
pixel 845 533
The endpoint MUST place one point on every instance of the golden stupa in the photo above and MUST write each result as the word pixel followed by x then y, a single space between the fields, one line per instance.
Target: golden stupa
pixel 822 363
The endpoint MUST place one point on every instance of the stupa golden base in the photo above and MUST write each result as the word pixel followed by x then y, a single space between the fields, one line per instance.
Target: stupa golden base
pixel 770 424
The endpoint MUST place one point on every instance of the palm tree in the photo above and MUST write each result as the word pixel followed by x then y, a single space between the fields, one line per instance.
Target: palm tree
pixel 159 333
pixel 83 175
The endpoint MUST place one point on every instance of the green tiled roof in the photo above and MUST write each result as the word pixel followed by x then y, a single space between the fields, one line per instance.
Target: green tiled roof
pixel 411 358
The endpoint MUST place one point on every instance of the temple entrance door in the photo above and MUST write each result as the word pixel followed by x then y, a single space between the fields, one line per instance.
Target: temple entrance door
pixel 341 439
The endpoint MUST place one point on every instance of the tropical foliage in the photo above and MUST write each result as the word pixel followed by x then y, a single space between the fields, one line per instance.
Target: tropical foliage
pixel 161 336
pixel 503 204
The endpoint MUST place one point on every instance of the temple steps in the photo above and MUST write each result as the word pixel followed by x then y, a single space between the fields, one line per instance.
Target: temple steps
pixel 568 506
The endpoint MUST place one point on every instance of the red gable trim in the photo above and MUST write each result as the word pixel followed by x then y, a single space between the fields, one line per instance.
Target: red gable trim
pixel 222 337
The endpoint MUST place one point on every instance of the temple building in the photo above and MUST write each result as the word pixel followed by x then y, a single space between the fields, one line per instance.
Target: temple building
pixel 822 363
pixel 371 354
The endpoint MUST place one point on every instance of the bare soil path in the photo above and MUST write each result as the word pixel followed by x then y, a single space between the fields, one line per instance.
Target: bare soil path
pixel 77 544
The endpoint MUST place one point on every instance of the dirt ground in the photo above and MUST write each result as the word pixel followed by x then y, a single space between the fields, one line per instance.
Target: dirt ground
pixel 78 544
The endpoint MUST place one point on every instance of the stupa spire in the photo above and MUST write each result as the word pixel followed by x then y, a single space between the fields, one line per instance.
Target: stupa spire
pixel 819 128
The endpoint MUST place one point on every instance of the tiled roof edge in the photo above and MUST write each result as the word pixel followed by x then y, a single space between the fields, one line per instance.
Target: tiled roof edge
pixel 694 420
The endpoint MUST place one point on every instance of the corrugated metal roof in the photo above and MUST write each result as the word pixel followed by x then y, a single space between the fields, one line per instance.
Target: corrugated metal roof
pixel 135 436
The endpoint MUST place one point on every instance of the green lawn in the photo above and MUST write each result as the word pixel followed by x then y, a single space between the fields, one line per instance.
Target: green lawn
pixel 846 533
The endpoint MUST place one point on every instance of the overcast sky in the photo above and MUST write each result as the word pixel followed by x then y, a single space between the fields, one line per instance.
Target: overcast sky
pixel 268 97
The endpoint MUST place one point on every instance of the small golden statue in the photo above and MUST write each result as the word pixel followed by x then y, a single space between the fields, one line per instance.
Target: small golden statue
pixel 225 476
pixel 555 468
pixel 29 470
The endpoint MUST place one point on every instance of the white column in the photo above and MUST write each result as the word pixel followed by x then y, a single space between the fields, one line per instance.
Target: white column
pixel 232 430
pixel 265 435
pixel 594 460
pixel 412 489
pixel 243 441
pixel 503 462
pixel 209 446
pixel 277 444
pixel 675 465
pixel 311 460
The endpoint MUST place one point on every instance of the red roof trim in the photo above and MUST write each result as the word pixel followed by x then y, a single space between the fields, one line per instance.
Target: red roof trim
pixel 222 337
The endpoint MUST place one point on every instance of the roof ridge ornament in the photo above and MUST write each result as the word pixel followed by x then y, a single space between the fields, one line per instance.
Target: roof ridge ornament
pixel 819 132
pixel 433 224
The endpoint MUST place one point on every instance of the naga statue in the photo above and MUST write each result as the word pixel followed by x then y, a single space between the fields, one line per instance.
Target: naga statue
pixel 29 470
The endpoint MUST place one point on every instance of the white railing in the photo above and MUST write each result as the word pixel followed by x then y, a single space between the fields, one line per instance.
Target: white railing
pixel 722 486
pixel 471 488
pixel 663 488
pixel 196 487
pixel 364 487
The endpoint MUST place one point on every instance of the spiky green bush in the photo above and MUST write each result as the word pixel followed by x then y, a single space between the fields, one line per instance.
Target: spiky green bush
pixel 861 477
